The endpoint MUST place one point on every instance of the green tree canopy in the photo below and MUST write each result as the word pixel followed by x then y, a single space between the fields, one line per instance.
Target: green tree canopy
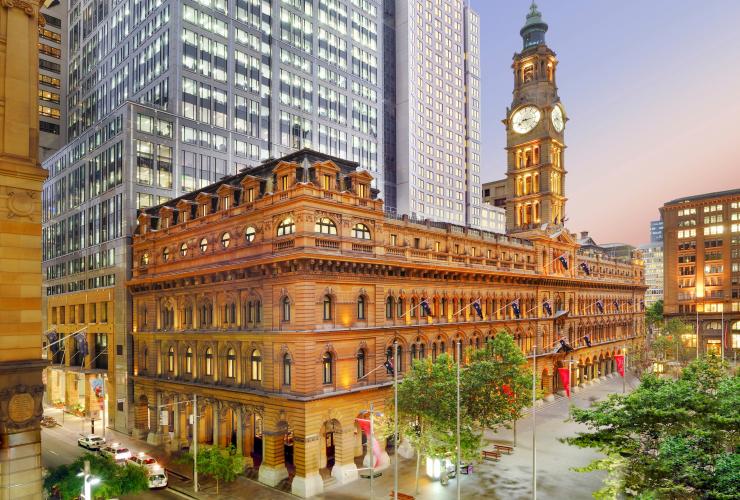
pixel 222 464
pixel 115 480
pixel 669 438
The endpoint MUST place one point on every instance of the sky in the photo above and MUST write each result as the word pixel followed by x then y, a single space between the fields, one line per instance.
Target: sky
pixel 652 92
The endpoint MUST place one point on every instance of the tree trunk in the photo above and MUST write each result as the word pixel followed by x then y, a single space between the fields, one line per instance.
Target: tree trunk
pixel 418 462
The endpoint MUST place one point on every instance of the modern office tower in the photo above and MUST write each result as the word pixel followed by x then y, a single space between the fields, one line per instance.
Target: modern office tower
pixel 652 255
pixel 656 231
pixel 435 165
pixel 165 98
pixel 53 49
pixel 701 251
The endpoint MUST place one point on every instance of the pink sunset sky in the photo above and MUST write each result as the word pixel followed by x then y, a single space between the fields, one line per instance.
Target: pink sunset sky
pixel 652 91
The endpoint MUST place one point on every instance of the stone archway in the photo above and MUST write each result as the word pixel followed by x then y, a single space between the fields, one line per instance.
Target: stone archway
pixel 141 417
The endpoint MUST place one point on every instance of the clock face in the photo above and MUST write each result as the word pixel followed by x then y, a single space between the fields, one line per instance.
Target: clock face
pixel 525 119
pixel 557 118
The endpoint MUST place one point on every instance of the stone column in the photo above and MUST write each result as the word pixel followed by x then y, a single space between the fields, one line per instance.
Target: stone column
pixel 155 430
pixel 272 470
pixel 175 441
pixel 307 481
pixel 216 422
pixel 344 469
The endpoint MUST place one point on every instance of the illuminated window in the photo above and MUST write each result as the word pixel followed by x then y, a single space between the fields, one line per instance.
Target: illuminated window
pixel 209 361
pixel 204 244
pixel 189 360
pixel 256 363
pixel 287 365
pixel 327 365
pixel 286 226
pixel 249 234
pixel 231 363
pixel 325 225
pixel 184 249
pixel 171 359
pixel 225 240
pixel 166 254
pixel 327 307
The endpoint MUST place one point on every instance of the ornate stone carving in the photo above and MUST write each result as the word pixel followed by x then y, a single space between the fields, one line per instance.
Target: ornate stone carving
pixel 21 407
pixel 20 4
pixel 20 203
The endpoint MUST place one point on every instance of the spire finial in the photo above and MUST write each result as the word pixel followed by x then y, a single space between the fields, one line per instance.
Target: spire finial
pixel 534 29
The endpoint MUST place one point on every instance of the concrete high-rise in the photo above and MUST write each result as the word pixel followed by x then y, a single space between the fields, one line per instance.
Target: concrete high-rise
pixel 52 91
pixel 652 255
pixel 433 169
pixel 656 231
pixel 165 98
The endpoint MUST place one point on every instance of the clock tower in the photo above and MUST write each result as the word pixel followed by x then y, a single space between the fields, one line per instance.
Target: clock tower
pixel 535 174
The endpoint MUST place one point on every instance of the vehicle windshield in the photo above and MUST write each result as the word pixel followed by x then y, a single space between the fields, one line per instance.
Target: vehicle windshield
pixel 96 439
pixel 156 477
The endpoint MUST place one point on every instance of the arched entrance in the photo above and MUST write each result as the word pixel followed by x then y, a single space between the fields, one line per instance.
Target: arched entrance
pixel 329 448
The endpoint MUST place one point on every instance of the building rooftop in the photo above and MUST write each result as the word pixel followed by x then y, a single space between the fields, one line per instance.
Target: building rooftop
pixel 706 196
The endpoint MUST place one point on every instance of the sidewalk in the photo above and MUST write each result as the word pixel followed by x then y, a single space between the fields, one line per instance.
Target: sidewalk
pixel 509 478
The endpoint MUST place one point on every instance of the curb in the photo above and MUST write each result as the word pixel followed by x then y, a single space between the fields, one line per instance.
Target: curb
pixel 179 493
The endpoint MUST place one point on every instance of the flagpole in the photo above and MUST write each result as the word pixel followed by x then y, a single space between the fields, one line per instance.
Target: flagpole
pixel 458 472
pixel 534 421
pixel 372 454
pixel 395 418
pixel 624 370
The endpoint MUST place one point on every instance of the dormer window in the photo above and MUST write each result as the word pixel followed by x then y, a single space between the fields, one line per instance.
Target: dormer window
pixel 284 183
pixel 204 210
pixel 327 182
pixel 363 191
pixel 249 195
pixel 225 202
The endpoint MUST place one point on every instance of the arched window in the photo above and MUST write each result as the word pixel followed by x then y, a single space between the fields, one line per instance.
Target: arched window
pixel 422 353
pixel 434 352
pixel 360 231
pixel 184 249
pixel 399 308
pixel 389 356
pixel 327 307
pixel 225 240
pixel 360 364
pixel 442 347
pixel 145 359
pixel 145 259
pixel 361 307
pixel 171 359
pixel 203 244
pixel 166 254
pixel 285 303
pixel 249 234
pixel 325 225
pixel 412 308
pixel 286 226
pixel 209 362
pixel 413 352
pixel 389 308
pixel 256 362
pixel 287 364
pixel 231 363
pixel 327 367
pixel 189 360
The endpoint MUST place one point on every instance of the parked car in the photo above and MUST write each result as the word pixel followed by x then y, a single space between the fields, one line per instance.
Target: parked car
pixel 157 477
pixel 91 442
pixel 117 452
pixel 144 460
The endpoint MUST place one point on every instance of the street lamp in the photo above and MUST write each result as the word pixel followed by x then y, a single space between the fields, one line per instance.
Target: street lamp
pixel 88 481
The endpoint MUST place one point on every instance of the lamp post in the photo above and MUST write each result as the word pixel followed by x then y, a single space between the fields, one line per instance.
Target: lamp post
pixel 88 481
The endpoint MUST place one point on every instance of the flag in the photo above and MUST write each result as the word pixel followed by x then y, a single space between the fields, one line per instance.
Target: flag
pixel 564 346
pixel 564 261
pixel 53 338
pixel 425 307
pixel 600 306
pixel 588 340
pixel 478 310
pixel 81 339
pixel 388 366
pixel 586 269
pixel 616 305
pixel 726 335
pixel 515 308
pixel 620 363
pixel 364 424
pixel 565 379
pixel 547 307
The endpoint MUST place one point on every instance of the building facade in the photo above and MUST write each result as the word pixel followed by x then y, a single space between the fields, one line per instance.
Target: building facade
pixel 701 250
pixel 271 297
pixel 21 178
pixel 165 98
pixel 52 91
pixel 656 231
pixel 433 172
pixel 652 255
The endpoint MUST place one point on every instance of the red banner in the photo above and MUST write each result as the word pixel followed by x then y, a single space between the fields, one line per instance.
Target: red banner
pixel 364 424
pixel 620 363
pixel 565 379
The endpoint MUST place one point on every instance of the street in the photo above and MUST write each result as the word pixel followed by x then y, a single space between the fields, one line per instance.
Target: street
pixel 59 446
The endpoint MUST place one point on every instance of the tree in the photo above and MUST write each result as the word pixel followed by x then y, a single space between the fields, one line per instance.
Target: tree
pixel 222 464
pixel 669 438
pixel 115 480
pixel 495 386
pixel 654 315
